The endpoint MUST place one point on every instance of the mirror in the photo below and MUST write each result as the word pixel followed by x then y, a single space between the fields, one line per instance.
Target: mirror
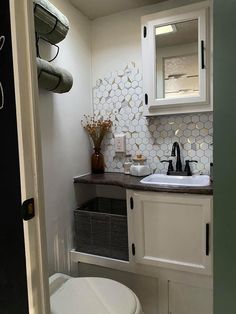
pixel 177 64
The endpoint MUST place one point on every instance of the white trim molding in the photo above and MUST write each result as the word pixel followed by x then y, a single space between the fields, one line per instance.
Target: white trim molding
pixel 26 91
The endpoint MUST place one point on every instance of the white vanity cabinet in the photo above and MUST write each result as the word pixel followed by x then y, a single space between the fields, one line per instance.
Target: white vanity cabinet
pixel 171 234
pixel 172 230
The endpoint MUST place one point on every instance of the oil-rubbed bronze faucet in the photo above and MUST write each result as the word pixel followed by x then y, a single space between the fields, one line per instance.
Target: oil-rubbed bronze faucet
pixel 173 154
pixel 178 170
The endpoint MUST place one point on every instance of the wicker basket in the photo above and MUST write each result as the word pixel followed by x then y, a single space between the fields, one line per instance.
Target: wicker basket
pixel 101 228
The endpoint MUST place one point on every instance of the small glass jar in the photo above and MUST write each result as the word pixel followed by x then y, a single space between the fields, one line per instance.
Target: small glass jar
pixel 127 164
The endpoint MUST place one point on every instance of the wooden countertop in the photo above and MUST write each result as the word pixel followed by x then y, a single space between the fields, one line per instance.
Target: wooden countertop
pixel 133 183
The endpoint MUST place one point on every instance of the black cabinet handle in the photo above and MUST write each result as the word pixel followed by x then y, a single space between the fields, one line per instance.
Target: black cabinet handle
pixel 131 203
pixel 207 239
pixel 146 99
pixel 133 249
pixel 202 54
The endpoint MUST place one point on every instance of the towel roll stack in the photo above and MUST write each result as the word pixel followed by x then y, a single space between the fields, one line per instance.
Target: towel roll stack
pixel 52 78
pixel 53 26
pixel 50 23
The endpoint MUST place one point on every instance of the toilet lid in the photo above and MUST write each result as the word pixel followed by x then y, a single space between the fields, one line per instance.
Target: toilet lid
pixel 94 295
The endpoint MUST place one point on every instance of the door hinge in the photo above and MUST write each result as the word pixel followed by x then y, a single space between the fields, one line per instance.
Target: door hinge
pixel 145 31
pixel 131 203
pixel 28 210
pixel 133 249
pixel 146 99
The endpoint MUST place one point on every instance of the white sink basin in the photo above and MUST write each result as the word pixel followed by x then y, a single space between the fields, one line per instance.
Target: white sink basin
pixel 163 179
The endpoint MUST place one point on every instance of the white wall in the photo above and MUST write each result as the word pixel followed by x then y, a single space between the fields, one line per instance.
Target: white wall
pixel 65 146
pixel 116 39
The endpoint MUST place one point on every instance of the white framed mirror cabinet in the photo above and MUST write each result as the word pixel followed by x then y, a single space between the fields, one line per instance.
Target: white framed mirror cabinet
pixel 176 55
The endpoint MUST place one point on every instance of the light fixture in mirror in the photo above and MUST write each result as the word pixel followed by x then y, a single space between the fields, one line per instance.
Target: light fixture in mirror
pixel 177 60
pixel 165 29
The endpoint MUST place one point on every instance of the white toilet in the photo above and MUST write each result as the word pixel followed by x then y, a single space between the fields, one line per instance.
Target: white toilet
pixel 91 296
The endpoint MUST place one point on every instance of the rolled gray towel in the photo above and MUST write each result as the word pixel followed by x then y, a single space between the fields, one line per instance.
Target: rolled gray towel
pixel 53 78
pixel 50 23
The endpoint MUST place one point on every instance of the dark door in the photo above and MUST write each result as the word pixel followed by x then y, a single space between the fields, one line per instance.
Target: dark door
pixel 13 288
pixel 224 157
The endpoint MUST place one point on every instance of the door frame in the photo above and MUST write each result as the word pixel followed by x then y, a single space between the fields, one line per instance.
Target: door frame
pixel 27 101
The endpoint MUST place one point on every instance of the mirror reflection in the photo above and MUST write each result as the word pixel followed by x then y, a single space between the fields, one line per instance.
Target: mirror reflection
pixel 177 60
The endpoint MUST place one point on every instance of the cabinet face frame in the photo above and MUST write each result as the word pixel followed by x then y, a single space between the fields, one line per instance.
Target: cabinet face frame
pixel 187 298
pixel 205 202
pixel 201 103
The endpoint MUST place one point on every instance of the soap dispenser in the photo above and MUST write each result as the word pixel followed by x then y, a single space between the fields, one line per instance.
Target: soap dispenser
pixel 140 168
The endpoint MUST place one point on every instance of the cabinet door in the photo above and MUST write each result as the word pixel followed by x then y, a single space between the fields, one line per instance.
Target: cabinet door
pixel 187 299
pixel 173 230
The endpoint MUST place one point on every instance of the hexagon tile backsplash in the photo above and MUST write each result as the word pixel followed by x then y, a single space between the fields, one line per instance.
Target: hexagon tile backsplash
pixel 119 94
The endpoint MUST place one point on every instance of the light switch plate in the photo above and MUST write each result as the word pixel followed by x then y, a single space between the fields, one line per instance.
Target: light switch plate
pixel 120 143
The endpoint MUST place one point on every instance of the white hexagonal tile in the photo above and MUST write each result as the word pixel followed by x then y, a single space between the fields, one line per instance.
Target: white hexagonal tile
pixel 142 147
pixel 187 133
pixel 195 133
pixel 204 118
pixel 112 93
pixel 135 110
pixel 204 160
pixel 204 132
pixel 204 146
pixel 128 97
pixel 191 126
pixel 118 105
pixel 200 153
pixel 131 91
pixel 134 84
pixel 118 92
pixel 187 119
pixel 195 119
pixel 199 125
pixel 138 77
pixel 191 153
pixel 208 153
pixel 124 79
pixel 121 98
pixel 124 91
pixel 138 91
pixel 121 85
pixel 117 79
pixel 208 125
pixel 114 86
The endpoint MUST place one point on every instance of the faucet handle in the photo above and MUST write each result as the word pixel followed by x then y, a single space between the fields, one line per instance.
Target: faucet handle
pixel 170 167
pixel 187 166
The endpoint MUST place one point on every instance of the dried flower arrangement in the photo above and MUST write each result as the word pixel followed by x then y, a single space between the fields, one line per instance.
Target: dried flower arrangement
pixel 97 127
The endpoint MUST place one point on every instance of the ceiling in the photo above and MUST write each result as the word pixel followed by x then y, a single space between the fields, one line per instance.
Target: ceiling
pixel 98 8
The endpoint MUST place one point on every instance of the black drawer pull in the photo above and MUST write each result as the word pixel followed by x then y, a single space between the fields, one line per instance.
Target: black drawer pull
pixel 207 239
